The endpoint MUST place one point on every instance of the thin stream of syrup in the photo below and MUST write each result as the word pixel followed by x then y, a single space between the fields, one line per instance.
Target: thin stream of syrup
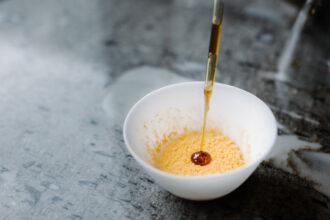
pixel 207 96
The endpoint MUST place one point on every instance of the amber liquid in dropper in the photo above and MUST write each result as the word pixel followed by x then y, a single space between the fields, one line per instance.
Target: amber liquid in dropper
pixel 203 158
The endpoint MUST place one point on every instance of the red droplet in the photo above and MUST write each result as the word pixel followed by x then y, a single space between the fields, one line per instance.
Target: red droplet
pixel 201 158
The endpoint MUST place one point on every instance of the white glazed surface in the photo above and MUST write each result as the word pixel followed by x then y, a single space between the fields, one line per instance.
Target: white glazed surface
pixel 239 114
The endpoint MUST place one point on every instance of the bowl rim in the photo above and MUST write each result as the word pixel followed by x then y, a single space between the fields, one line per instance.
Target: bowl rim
pixel 206 176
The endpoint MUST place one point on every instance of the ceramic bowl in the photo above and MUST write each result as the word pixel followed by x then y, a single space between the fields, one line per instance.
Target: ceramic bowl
pixel 240 115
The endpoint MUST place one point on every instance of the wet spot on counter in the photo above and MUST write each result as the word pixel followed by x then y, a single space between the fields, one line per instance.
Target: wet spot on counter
pixel 43 108
pixel 93 122
pixel 110 43
pixel 104 154
pixel 88 183
pixel 34 193
pixel 56 199
pixel 149 27
pixel 75 217
pixel 28 164
pixel 3 169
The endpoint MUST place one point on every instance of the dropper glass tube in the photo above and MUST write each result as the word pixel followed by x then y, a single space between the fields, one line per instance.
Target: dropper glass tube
pixel 212 60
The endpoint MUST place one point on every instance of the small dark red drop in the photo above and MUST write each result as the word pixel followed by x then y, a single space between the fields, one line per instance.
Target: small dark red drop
pixel 201 158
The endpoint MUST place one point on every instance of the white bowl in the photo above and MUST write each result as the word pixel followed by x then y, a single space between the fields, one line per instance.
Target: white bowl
pixel 241 116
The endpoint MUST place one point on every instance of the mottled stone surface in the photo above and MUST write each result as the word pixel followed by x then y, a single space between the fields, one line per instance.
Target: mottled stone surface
pixel 71 69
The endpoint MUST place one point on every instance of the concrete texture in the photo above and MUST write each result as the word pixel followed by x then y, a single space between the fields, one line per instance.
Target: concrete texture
pixel 70 70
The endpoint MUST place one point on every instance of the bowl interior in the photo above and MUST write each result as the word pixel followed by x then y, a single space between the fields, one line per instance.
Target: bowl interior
pixel 179 107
